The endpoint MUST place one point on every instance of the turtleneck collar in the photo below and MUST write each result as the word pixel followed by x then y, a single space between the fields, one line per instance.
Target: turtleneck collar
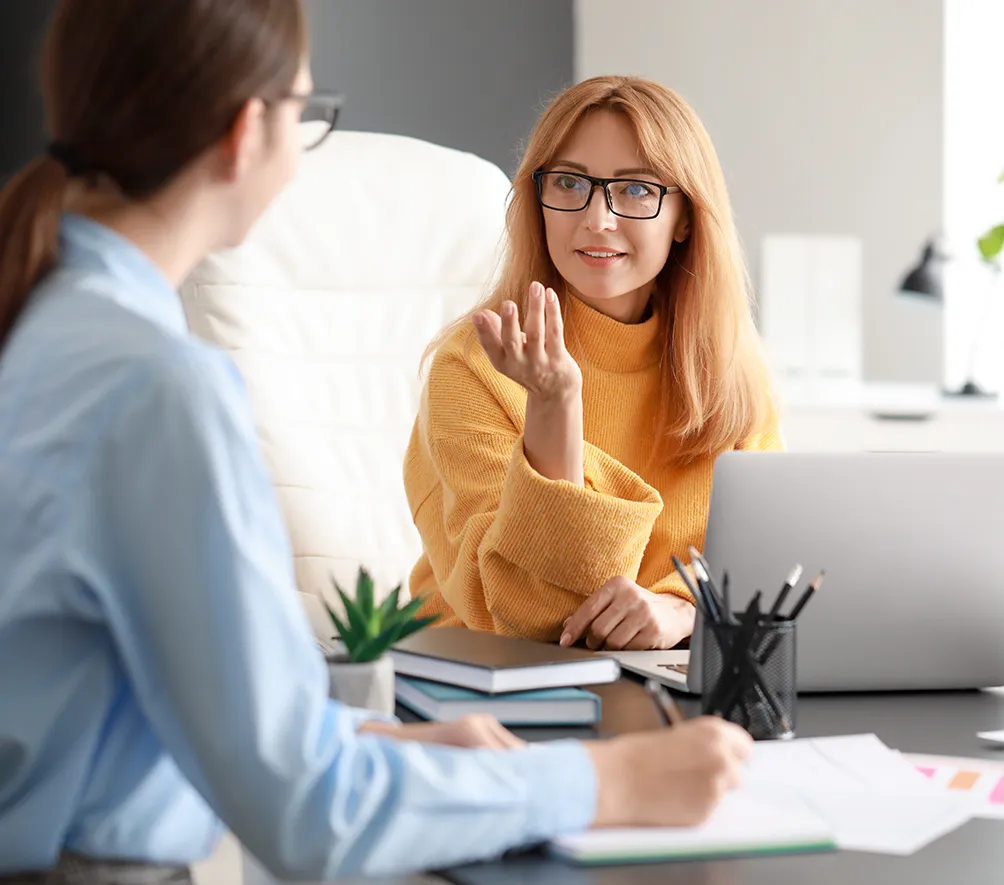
pixel 607 344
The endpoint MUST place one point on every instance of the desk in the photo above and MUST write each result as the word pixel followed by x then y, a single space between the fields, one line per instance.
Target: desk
pixel 940 723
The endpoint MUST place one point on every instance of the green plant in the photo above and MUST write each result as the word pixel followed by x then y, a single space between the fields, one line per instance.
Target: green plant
pixel 368 629
pixel 992 242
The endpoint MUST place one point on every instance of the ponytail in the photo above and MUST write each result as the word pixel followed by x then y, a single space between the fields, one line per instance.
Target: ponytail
pixel 30 209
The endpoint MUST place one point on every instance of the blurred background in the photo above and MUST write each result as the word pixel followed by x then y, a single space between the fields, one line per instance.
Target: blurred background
pixel 853 134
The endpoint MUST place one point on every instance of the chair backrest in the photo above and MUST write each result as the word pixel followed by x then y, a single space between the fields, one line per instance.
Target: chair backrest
pixel 326 309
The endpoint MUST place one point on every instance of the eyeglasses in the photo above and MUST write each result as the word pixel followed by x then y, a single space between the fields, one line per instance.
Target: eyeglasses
pixel 626 197
pixel 317 117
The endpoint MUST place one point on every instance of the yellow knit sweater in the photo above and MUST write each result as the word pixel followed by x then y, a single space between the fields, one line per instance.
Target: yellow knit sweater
pixel 511 552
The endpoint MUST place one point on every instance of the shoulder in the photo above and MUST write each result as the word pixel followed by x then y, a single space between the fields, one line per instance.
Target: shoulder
pixel 465 394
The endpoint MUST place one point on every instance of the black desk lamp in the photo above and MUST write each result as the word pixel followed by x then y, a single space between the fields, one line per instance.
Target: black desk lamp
pixel 925 281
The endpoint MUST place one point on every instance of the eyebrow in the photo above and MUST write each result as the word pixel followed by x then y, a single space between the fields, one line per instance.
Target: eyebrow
pixel 641 170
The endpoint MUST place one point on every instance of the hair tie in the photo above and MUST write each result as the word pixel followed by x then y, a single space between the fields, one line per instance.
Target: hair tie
pixel 68 158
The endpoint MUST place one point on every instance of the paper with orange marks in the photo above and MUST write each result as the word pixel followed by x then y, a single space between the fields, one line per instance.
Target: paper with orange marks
pixel 983 779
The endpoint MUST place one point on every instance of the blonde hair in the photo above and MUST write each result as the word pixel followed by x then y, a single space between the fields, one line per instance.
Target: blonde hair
pixel 716 390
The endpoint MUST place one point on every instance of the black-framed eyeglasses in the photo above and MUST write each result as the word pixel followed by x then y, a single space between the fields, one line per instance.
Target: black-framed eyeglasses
pixel 318 116
pixel 626 197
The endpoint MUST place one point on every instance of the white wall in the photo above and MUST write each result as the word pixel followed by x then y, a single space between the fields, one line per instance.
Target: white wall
pixel 974 201
pixel 827 116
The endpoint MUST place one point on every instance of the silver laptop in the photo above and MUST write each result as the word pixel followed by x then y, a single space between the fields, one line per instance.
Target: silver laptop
pixel 913 548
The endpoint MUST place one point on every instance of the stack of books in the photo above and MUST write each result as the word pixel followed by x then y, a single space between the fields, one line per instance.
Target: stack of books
pixel 447 672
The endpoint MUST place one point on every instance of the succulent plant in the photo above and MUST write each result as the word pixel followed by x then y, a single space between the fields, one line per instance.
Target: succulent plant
pixel 368 629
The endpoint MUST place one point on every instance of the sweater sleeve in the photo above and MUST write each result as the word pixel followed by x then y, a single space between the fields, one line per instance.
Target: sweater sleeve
pixel 511 551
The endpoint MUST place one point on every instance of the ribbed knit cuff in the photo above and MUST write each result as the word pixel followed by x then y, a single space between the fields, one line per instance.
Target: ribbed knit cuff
pixel 573 537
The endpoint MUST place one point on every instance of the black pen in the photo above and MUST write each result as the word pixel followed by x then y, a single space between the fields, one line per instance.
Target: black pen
pixel 786 588
pixel 807 595
pixel 668 711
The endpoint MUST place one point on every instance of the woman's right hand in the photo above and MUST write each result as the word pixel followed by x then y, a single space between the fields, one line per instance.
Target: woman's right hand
pixel 534 357
pixel 673 777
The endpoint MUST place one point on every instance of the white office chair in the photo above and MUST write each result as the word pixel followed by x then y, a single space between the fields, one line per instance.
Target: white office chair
pixel 326 309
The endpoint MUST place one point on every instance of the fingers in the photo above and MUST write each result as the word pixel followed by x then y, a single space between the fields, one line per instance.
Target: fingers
pixel 488 326
pixel 535 322
pixel 606 622
pixel 586 613
pixel 482 730
pixel 553 322
pixel 506 739
pixel 737 740
pixel 630 633
pixel 512 334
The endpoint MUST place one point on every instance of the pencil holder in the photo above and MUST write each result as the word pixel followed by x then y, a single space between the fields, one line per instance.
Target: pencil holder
pixel 748 676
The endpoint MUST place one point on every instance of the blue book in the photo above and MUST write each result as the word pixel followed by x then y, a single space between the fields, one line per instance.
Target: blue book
pixel 549 706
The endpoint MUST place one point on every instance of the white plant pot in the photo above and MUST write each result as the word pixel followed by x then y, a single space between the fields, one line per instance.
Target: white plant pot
pixel 369 686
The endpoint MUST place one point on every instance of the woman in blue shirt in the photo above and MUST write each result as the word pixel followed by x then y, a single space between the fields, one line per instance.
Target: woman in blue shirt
pixel 157 675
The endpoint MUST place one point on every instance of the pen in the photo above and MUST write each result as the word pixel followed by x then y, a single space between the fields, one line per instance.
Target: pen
pixel 786 588
pixel 668 711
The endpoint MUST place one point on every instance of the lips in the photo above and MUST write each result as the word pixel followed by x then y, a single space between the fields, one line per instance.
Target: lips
pixel 599 257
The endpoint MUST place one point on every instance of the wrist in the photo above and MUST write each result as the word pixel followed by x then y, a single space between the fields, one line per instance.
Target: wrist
pixel 380 726
pixel 613 782
pixel 567 399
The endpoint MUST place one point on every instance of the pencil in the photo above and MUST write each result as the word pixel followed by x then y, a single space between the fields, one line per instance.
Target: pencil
pixel 704 582
pixel 697 557
pixel 807 595
pixel 697 591
pixel 786 588
pixel 726 598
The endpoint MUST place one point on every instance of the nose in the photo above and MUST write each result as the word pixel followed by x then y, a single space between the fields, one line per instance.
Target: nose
pixel 598 216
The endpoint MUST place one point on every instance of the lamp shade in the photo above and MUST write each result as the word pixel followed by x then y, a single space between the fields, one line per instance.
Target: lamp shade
pixel 924 279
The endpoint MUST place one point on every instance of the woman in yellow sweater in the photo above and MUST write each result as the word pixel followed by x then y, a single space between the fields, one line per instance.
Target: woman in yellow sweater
pixel 564 448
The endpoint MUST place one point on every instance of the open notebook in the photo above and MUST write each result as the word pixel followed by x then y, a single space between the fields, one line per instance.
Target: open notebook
pixel 743 824
pixel 850 792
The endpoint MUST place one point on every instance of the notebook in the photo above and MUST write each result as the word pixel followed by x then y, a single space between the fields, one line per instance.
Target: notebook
pixel 744 823
pixel 551 706
pixel 850 792
pixel 493 664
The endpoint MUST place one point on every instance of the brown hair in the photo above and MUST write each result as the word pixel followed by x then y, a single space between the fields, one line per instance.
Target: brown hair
pixel 716 388
pixel 135 90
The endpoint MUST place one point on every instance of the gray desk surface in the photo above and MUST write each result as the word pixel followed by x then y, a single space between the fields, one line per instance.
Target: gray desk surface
pixel 942 723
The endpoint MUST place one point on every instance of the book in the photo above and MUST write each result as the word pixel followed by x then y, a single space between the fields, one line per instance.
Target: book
pixel 550 706
pixel 744 823
pixel 493 664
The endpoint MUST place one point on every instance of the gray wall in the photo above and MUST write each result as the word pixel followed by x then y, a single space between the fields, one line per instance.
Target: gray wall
pixel 469 74
pixel 828 120
pixel 22 123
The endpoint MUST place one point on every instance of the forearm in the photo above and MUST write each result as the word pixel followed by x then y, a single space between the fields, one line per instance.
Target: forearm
pixel 553 437
pixel 417 806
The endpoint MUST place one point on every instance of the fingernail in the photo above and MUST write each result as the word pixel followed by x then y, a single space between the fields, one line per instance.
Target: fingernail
pixel 535 292
pixel 479 320
pixel 507 308
pixel 551 296
pixel 565 639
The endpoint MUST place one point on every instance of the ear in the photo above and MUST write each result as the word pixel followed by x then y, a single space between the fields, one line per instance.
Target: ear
pixel 682 227
pixel 242 141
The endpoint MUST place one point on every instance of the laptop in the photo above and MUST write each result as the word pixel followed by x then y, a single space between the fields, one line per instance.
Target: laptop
pixel 913 548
